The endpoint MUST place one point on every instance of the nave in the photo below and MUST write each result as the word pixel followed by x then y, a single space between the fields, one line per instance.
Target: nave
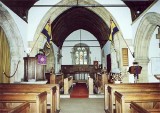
pixel 45 98
pixel 82 105
pixel 49 47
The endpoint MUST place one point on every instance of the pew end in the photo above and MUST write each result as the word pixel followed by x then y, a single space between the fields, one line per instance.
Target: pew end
pixel 136 108
pixel 22 108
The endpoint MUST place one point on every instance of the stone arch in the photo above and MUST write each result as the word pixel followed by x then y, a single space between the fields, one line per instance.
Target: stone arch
pixel 143 36
pixel 15 42
pixel 54 12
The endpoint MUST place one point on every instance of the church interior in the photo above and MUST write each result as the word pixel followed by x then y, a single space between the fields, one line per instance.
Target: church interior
pixel 79 56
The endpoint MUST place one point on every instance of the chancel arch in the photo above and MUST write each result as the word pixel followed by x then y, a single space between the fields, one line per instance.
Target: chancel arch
pixel 143 36
pixel 65 20
pixel 60 26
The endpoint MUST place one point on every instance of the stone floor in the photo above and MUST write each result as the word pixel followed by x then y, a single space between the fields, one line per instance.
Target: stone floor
pixel 82 105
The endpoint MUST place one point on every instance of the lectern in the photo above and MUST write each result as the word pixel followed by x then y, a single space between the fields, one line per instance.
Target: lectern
pixel 135 70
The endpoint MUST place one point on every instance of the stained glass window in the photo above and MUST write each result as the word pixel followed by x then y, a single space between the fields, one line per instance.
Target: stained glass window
pixel 81 55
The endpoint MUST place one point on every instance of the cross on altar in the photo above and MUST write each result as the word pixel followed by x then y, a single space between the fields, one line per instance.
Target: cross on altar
pixel 158 36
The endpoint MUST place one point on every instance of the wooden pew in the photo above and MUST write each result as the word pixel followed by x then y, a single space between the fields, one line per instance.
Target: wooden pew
pixel 135 108
pixel 53 96
pixel 100 80
pixel 90 85
pixel 38 102
pixel 98 83
pixel 130 87
pixel 22 108
pixel 68 82
pixel 147 99
pixel 57 79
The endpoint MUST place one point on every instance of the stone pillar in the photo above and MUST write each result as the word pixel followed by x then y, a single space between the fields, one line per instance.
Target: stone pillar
pixel 143 77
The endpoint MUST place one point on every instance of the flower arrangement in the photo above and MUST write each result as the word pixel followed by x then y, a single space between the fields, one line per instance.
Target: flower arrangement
pixel 117 76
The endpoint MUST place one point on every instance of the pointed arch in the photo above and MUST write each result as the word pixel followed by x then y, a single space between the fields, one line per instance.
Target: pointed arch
pixel 55 12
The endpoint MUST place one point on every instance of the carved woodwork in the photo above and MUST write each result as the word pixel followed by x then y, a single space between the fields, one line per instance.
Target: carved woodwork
pixel 75 69
pixel 33 70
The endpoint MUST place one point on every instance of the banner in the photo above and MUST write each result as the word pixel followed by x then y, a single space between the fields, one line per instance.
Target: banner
pixel 42 60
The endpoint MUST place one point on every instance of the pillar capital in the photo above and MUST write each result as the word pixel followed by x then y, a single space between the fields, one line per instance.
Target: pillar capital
pixel 142 61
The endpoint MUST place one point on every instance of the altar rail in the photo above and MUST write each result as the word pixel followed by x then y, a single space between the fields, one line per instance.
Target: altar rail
pixel 53 96
pixel 130 87
pixel 38 102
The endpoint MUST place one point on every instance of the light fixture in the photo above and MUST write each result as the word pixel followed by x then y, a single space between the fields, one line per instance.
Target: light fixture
pixel 138 12
pixel 24 17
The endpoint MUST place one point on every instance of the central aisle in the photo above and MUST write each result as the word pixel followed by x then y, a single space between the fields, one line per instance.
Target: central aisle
pixel 80 90
pixel 82 105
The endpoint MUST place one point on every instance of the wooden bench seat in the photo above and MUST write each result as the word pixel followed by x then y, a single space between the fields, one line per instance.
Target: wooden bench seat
pixel 53 96
pixel 153 110
pixel 146 99
pixel 135 108
pixel 38 102
pixel 22 108
pixel 130 87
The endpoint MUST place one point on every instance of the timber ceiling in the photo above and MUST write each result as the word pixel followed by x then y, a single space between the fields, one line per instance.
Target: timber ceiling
pixel 137 6
pixel 77 18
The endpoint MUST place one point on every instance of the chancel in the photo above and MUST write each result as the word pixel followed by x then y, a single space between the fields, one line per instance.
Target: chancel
pixel 79 56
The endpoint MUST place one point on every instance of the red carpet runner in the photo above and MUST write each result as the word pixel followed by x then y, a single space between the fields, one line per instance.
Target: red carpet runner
pixel 79 91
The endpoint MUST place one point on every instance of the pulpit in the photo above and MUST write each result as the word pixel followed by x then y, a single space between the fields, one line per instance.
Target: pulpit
pixel 32 69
